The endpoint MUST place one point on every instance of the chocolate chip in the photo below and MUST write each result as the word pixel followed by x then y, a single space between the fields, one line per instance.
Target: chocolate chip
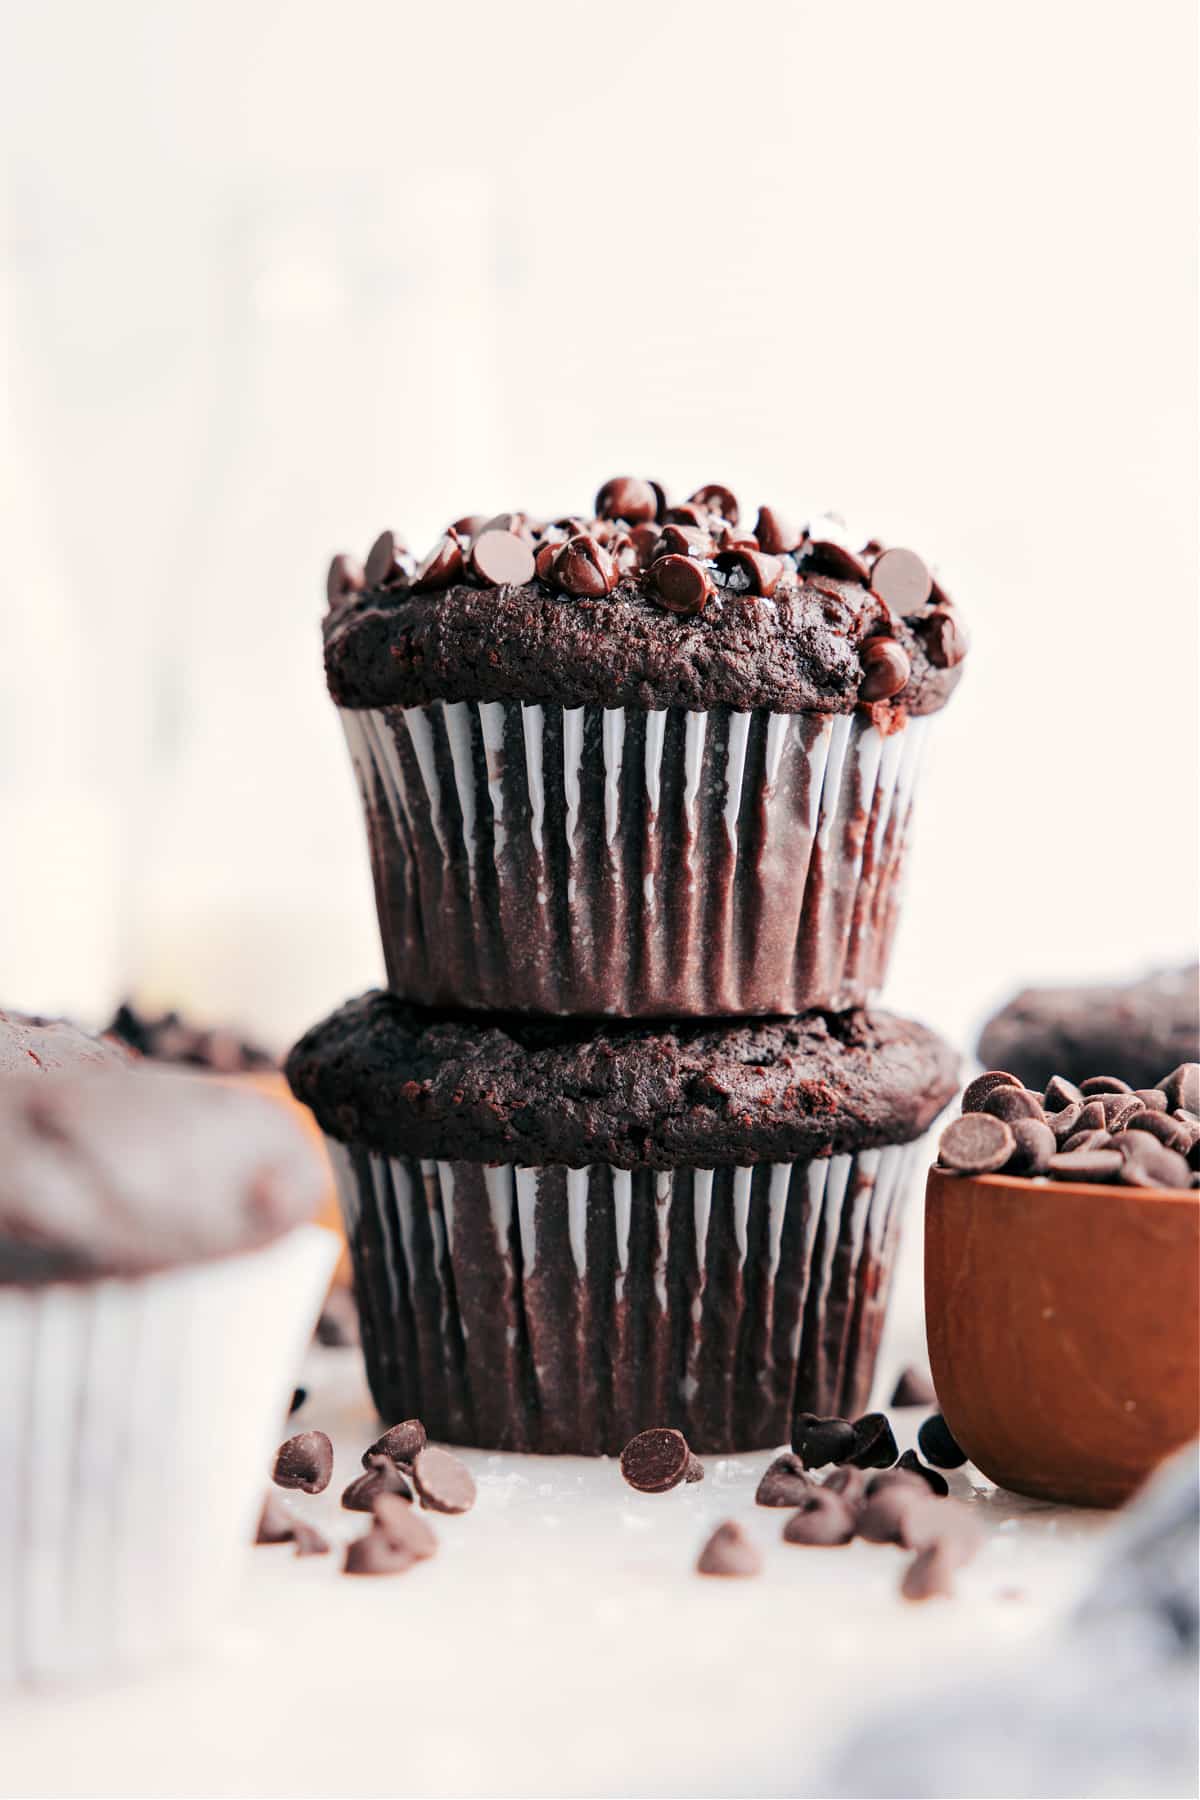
pixel 849 1482
pixel 945 640
pixel 715 498
pixel 309 1541
pixel 691 518
pixel 625 497
pixel 694 1471
pixel 275 1523
pixel 1064 1124
pixel 682 540
pixel 660 494
pixel 784 1482
pixel 299 1396
pixel 886 669
pixel 874 1443
pixel 1060 1094
pixel 750 572
pixel 901 580
pixel 825 556
pixel 382 1477
pixel 1085 1165
pixel 891 1513
pixel 729 1552
pixel 583 568
pixel 1092 1118
pixel 776 535
pixel 305 1462
pixel 823 1518
pixel 1035 1144
pixel 403 1527
pixel 1145 1163
pixel 402 1444
pixel 681 585
pixel 501 560
pixel 976 1144
pixel 337 1327
pixel 1011 1104
pixel 443 1481
pixel 1104 1084
pixel 1159 1125
pixel 470 525
pixel 388 561
pixel 1097 1139
pixel 644 539
pixel 819 1442
pixel 545 559
pixel 914 1388
pixel 375 1554
pixel 655 1460
pixel 911 1464
pixel 1182 1087
pixel 512 524
pixel 930 1574
pixel 977 1091
pixel 442 567
pixel 1119 1109
pixel 938 1446
pixel 1153 1099
pixel 346 576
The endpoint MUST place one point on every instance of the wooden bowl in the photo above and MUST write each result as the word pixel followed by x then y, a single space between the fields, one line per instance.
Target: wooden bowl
pixel 1064 1329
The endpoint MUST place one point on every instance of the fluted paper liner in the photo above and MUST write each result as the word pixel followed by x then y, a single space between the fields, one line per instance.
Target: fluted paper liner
pixel 137 1421
pixel 555 1309
pixel 600 860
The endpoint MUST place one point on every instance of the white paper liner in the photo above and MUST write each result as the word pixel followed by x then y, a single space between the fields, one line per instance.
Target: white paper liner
pixel 590 860
pixel 555 1309
pixel 137 1420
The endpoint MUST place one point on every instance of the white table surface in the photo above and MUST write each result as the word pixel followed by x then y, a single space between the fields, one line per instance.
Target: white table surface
pixel 560 1643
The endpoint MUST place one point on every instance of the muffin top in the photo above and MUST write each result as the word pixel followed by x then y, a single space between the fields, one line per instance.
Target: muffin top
pixel 384 1075
pixel 108 1173
pixel 1134 1029
pixel 645 605
pixel 33 1046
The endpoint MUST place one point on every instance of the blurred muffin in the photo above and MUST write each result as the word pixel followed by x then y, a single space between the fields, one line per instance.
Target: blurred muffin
pixel 34 1046
pixel 1134 1030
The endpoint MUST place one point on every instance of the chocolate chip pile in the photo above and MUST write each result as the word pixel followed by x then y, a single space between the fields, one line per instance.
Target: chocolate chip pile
pixel 1101 1131
pixel 166 1037
pixel 681 558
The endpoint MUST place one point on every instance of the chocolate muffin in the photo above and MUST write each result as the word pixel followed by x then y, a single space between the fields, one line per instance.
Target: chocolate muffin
pixel 158 1281
pixel 653 762
pixel 1133 1029
pixel 565 1233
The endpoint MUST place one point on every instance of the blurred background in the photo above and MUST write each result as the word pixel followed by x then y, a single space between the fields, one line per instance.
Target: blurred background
pixel 274 276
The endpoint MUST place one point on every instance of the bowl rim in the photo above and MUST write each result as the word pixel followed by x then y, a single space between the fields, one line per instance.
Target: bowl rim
pixel 1098 1190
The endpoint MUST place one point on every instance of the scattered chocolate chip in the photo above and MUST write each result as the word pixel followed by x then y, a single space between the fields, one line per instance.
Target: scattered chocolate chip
pixel 891 1512
pixel 819 1442
pixel 403 1527
pixel 1060 1094
pixel 1065 1123
pixel 729 1552
pixel 914 1388
pixel 1182 1087
pixel 388 561
pixel 500 559
pixel 625 497
pixel 337 1327
pixel 444 1483
pixel 1035 1144
pixel 938 1446
pixel 901 580
pixel 886 669
pixel 299 1396
pixel 930 1574
pixel 823 1519
pixel 1153 1099
pixel 750 572
pixel 946 642
pixel 305 1462
pixel 695 1469
pixel 1011 1104
pixel 847 1481
pixel 1086 1165
pixel 911 1464
pixel 1145 1163
pixel 309 1541
pixel 680 583
pixel 715 498
pixel 584 569
pixel 375 1554
pixel 874 1443
pixel 275 1523
pixel 382 1477
pixel 784 1482
pixel 976 1144
pixel 346 576
pixel 977 1091
pixel 655 1460
pixel 443 566
pixel 402 1444
pixel 825 556
pixel 776 535
pixel 1104 1084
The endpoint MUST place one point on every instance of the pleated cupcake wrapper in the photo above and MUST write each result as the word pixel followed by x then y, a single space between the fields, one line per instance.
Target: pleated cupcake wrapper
pixel 137 1420
pixel 590 860
pixel 554 1309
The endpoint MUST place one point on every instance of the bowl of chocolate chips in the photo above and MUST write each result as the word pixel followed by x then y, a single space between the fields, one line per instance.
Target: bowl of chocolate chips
pixel 1062 1275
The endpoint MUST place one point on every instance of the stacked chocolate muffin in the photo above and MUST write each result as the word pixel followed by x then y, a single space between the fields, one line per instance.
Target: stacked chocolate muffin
pixel 623 1145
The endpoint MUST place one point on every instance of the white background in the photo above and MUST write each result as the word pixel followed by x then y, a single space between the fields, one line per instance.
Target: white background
pixel 273 276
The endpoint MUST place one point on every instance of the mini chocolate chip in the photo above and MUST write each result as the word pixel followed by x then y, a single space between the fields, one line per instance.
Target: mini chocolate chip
pixel 976 1144
pixel 901 580
pixel 1060 1094
pixel 1171 1132
pixel 715 498
pixel 382 1477
pixel 825 556
pixel 776 535
pixel 403 1527
pixel 655 1460
pixel 1035 1145
pixel 337 1327
pixel 1065 1123
pixel 375 1554
pixel 930 1574
pixel 1153 1099
pixel 305 1462
pixel 891 1513
pixel 402 1443
pixel 501 560
pixel 822 1519
pixel 886 669
pixel 729 1552
pixel 346 576
pixel 680 584
pixel 911 1464
pixel 443 1481
pixel 849 1482
pixel 1085 1165
pixel 1145 1163
pixel 1182 1087
pixel 945 640
pixel 938 1446
pixel 1104 1084
pixel 695 1469
pixel 299 1396
pixel 914 1388
pixel 874 1443
pixel 388 561
pixel 1011 1104
pixel 442 566
pixel 784 1482
pixel 977 1091
pixel 309 1541
pixel 750 572
pixel 818 1442
pixel 625 497
pixel 275 1523
pixel 584 569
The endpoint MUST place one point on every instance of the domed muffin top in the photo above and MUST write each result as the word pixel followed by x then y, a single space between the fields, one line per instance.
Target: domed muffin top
pixel 644 604
pixel 33 1046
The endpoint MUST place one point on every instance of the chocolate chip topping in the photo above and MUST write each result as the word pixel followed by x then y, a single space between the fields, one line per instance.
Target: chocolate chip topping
pixel 729 1552
pixel 443 1482
pixel 305 1462
pixel 388 561
pixel 886 669
pixel 584 568
pixel 681 583
pixel 501 559
pixel 656 1460
pixel 346 576
pixel 625 497
pixel 443 566
pixel 901 580
pixel 784 1483
pixel 717 499
pixel 945 638
pixel 776 534
pixel 749 572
